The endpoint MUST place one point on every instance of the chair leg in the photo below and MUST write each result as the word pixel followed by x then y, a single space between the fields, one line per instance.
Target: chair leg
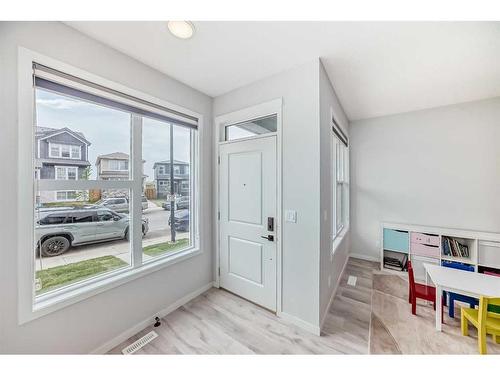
pixel 409 295
pixel 482 341
pixel 413 305
pixel 464 325
pixel 451 308
pixel 442 309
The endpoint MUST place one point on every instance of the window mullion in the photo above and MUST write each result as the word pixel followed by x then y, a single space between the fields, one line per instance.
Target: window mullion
pixel 136 193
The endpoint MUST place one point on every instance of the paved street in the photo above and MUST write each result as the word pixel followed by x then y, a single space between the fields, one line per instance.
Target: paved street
pixel 159 231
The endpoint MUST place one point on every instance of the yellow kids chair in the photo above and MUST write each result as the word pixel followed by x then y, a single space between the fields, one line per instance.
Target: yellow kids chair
pixel 486 319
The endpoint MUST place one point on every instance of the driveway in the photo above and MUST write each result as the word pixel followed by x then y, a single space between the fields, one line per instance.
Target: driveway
pixel 159 231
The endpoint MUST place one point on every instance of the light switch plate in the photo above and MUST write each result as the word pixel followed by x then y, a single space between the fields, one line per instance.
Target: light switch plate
pixel 291 216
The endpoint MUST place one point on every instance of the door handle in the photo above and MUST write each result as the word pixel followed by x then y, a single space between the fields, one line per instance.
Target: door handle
pixel 269 237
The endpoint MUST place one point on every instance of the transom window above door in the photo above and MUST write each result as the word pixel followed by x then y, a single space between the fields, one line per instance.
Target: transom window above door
pixel 252 128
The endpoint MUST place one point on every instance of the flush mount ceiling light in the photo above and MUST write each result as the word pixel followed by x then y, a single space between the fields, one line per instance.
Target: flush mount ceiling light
pixel 181 29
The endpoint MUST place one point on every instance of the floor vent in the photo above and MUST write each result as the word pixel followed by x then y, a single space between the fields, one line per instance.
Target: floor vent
pixel 143 341
pixel 352 280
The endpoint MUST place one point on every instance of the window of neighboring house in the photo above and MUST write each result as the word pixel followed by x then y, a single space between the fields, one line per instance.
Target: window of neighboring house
pixel 161 169
pixel 340 183
pixel 177 169
pixel 66 173
pixel 118 165
pixel 58 275
pixel 64 151
pixel 66 195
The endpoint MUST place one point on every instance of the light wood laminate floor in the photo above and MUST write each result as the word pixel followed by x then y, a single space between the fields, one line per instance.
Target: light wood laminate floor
pixel 218 322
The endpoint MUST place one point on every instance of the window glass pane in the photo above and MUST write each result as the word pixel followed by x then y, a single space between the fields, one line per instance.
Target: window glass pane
pixel 72 173
pixel 65 151
pixel 67 228
pixel 338 209
pixel 54 150
pixel 252 128
pixel 84 135
pixel 75 140
pixel 75 152
pixel 160 191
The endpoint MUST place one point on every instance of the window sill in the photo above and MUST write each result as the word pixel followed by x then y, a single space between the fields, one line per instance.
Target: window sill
pixel 52 303
pixel 339 238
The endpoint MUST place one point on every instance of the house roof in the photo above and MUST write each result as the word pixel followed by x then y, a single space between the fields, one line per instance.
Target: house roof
pixel 43 132
pixel 113 156
pixel 180 162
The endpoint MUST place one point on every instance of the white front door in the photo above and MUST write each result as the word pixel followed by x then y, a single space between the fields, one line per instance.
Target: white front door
pixel 248 219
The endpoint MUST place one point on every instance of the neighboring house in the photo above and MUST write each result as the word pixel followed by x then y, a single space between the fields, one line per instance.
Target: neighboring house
pixel 60 154
pixel 114 166
pixel 162 178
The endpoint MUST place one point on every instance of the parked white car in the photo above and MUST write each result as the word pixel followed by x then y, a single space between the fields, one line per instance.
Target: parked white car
pixel 121 204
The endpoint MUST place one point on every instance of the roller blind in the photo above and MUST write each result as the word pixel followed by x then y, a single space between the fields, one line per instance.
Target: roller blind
pixel 337 130
pixel 66 84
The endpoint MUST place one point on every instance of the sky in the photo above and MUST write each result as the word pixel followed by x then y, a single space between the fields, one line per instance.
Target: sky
pixel 108 130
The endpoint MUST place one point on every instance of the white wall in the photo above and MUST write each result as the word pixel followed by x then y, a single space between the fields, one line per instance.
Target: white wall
pixel 330 265
pixel 308 97
pixel 84 326
pixel 299 89
pixel 438 167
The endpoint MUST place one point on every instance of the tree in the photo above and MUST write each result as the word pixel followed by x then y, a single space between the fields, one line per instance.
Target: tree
pixel 83 195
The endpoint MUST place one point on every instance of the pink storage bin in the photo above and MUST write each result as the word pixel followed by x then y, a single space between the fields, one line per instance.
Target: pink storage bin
pixel 425 239
pixel 424 250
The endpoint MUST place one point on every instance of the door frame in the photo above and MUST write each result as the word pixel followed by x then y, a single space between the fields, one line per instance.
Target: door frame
pixel 272 107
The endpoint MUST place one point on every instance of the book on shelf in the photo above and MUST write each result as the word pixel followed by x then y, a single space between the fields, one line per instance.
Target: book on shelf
pixel 451 247
pixel 397 262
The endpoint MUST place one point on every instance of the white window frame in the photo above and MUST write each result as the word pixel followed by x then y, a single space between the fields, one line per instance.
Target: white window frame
pixel 30 308
pixel 340 179
pixel 59 154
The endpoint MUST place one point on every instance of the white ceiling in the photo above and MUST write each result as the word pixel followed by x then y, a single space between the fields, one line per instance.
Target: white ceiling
pixel 377 68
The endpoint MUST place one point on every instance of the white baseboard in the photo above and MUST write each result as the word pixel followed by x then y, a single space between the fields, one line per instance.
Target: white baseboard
pixel 106 347
pixel 332 296
pixel 364 257
pixel 316 330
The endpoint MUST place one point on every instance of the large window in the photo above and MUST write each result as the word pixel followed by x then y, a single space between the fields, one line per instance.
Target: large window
pixel 93 223
pixel 65 151
pixel 340 162
pixel 118 165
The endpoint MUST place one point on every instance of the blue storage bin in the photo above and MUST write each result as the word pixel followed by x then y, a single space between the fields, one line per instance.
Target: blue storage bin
pixel 458 266
pixel 396 240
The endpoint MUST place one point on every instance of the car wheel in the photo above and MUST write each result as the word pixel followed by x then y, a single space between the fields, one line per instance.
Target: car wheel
pixel 127 235
pixel 54 246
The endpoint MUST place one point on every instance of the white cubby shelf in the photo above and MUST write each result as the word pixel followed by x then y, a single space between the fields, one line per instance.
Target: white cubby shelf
pixel 424 244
